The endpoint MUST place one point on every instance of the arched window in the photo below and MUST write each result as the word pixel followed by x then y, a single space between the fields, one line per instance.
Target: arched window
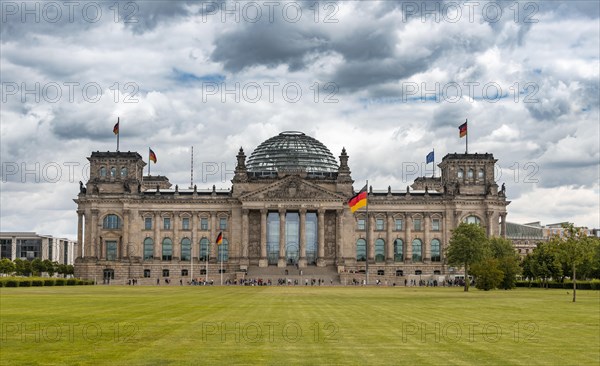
pixel 224 251
pixel 167 249
pixel 480 174
pixel 472 219
pixel 148 248
pixel 102 171
pixel 113 172
pixel 186 249
pixel 379 250
pixel 435 250
pixel 111 222
pixel 470 174
pixel 361 250
pixel 460 173
pixel 123 172
pixel 398 250
pixel 203 249
pixel 417 254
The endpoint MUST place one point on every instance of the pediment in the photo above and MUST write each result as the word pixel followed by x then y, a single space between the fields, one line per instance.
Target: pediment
pixel 292 188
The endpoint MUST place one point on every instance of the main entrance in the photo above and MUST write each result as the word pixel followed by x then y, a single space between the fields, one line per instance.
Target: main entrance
pixel 292 252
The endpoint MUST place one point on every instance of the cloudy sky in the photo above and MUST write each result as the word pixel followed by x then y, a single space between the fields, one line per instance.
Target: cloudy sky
pixel 389 81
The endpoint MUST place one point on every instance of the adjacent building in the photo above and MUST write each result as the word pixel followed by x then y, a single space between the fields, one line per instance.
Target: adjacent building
pixel 286 208
pixel 29 246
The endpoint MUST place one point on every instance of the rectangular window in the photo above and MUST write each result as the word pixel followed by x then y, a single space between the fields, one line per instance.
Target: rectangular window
pixel 165 273
pixel 111 250
pixel 166 223
pixel 185 223
pixel 361 224
pixel 5 251
pixel 148 223
pixel 417 224
pixel 379 224
pixel 398 224
pixel 223 223
pixel 203 223
pixel 146 273
pixel 435 225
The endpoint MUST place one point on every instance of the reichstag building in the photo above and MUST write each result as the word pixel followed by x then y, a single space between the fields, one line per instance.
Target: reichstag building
pixel 286 211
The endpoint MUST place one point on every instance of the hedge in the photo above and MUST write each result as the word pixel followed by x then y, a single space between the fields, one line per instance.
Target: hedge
pixel 41 281
pixel 581 285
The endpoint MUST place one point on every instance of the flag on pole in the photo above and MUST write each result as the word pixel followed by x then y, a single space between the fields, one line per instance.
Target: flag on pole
pixel 359 200
pixel 116 128
pixel 462 130
pixel 152 156
pixel 429 158
pixel 220 238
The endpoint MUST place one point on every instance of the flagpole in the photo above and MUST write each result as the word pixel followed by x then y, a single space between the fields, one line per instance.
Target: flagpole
pixel 118 132
pixel 221 256
pixel 433 162
pixel 207 255
pixel 467 136
pixel 192 258
pixel 149 161
pixel 368 243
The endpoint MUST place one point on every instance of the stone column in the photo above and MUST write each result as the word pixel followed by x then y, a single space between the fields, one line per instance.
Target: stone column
pixel 321 238
pixel 407 239
pixel 389 240
pixel 426 238
pixel 213 236
pixel 124 249
pixel 245 226
pixel 13 248
pixel 194 238
pixel 96 245
pixel 503 225
pixel 44 249
pixel 457 218
pixel 281 262
pixel 176 236
pixel 338 237
pixel 157 241
pixel 490 222
pixel 263 262
pixel 302 244
pixel 371 242
pixel 79 234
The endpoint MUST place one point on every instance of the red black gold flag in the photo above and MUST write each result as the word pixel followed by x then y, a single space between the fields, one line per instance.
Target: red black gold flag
pixel 152 156
pixel 462 130
pixel 220 238
pixel 359 200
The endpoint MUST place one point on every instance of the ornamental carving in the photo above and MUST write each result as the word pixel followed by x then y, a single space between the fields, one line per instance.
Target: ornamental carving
pixel 295 189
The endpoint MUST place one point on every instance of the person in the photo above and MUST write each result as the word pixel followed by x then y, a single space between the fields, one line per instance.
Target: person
pixel 181 282
pixel 158 281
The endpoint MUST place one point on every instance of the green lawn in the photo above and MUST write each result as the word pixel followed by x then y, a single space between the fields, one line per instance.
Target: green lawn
pixel 98 325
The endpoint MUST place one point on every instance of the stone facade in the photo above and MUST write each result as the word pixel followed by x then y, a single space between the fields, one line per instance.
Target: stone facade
pixel 130 229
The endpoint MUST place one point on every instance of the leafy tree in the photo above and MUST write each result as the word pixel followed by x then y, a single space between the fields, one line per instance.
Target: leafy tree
pixel 508 261
pixel 574 249
pixel 488 274
pixel 590 268
pixel 37 266
pixel 49 267
pixel 467 245
pixel 22 267
pixel 543 263
pixel 6 266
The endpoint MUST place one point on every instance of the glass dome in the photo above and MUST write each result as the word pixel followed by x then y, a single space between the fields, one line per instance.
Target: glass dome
pixel 292 150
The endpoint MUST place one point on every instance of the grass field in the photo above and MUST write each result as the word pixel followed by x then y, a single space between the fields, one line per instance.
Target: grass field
pixel 96 325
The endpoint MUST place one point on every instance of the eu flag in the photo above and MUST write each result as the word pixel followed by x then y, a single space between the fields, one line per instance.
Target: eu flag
pixel 429 158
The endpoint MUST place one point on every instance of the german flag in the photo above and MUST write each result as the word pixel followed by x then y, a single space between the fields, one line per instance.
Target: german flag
pixel 220 238
pixel 358 201
pixel 116 128
pixel 152 156
pixel 462 130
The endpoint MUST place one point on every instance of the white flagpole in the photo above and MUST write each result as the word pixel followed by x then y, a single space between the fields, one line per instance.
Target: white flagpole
pixel 368 243
pixel 221 256
pixel 207 255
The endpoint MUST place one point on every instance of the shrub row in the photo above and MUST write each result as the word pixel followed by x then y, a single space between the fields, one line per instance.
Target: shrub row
pixel 40 281
pixel 581 285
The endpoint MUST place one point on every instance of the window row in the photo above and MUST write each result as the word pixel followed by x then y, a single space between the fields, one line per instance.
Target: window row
pixel 470 173
pixel 399 224
pixel 113 172
pixel 399 250
pixel 186 249
pixel 185 223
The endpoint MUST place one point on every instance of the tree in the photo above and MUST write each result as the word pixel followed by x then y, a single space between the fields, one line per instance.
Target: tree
pixel 467 245
pixel 543 263
pixel 487 274
pixel 22 268
pixel 508 261
pixel 6 266
pixel 574 249
pixel 49 267
pixel 37 267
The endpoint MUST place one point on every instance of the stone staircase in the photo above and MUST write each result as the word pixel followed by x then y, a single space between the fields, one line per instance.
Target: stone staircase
pixel 291 273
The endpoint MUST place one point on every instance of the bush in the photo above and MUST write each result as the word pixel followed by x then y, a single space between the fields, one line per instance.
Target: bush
pixel 25 283
pixel 48 282
pixel 72 282
pixel 12 283
pixel 60 282
pixel 37 283
pixel 581 285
